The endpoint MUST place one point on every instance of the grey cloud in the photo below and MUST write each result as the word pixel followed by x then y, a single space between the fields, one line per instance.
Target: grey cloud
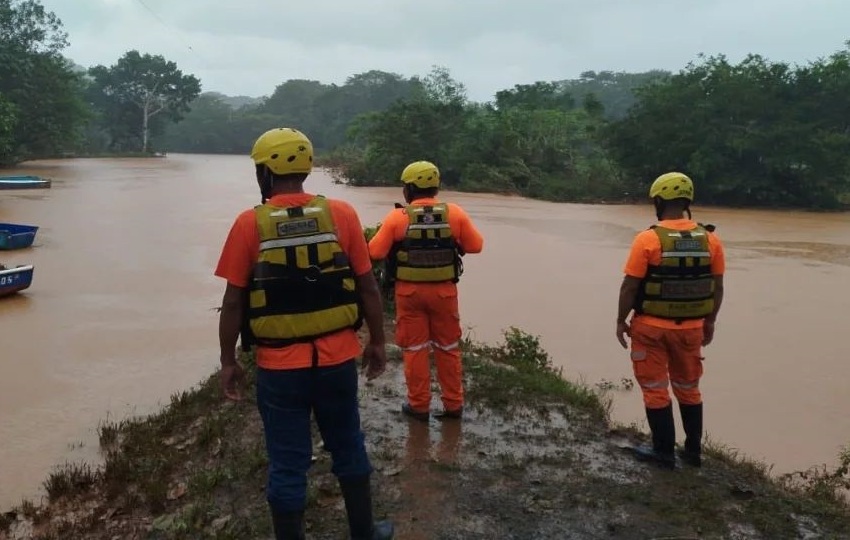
pixel 249 46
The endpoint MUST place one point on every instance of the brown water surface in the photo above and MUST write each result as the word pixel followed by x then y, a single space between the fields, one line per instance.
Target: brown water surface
pixel 120 317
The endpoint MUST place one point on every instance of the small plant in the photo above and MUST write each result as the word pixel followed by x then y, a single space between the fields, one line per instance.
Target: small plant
pixel 108 433
pixel 525 349
pixel 70 479
pixel 819 482
pixel 520 371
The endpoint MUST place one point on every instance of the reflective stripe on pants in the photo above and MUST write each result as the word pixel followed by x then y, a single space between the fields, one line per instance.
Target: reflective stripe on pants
pixel 427 319
pixel 662 357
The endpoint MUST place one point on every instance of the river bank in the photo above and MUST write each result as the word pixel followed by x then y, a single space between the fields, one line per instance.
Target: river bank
pixel 536 456
pixel 83 155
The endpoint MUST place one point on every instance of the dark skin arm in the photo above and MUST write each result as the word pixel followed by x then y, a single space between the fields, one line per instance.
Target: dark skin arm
pixel 229 325
pixel 628 292
pixel 374 354
pixel 708 325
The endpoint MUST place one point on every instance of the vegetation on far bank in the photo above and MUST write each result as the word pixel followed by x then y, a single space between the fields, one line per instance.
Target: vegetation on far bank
pixel 50 106
pixel 758 133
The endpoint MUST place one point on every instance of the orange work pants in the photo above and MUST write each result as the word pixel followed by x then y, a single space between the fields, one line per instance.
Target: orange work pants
pixel 427 318
pixel 661 356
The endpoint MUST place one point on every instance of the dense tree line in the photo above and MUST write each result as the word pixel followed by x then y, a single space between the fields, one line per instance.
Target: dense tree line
pixel 51 107
pixel 40 97
pixel 756 133
pixel 222 125
pixel 535 139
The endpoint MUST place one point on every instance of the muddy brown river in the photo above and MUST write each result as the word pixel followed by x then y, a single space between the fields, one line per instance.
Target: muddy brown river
pixel 120 315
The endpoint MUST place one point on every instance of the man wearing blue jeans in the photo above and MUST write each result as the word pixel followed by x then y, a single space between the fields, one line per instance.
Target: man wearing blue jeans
pixel 299 285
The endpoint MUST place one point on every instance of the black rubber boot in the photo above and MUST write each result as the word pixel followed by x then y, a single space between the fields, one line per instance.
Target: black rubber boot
pixel 663 438
pixel 409 411
pixel 692 424
pixel 357 493
pixel 288 525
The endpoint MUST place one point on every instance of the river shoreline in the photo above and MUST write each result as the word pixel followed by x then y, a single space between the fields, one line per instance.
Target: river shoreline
pixel 536 456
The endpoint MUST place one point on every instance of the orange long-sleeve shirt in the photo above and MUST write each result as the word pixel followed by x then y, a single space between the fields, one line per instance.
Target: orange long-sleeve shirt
pixel 394 227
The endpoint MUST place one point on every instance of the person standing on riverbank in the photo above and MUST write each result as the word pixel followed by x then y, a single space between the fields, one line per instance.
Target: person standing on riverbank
pixel 674 284
pixel 423 243
pixel 299 284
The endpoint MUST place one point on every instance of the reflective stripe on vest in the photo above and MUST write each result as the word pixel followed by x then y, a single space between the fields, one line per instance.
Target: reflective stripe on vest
pixel 302 287
pixel 428 252
pixel 682 286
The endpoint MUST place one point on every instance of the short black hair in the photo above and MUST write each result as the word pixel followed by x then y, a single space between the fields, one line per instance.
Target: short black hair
pixel 262 170
pixel 422 193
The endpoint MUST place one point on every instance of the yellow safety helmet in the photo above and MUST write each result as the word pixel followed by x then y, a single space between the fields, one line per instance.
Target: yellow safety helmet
pixel 284 151
pixel 422 174
pixel 672 185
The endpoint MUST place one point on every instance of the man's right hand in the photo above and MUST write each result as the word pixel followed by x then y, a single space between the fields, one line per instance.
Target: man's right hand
pixel 374 360
pixel 707 332
pixel 231 376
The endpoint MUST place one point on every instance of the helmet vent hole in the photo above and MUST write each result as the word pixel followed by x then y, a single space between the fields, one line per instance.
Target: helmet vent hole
pixel 290 159
pixel 274 156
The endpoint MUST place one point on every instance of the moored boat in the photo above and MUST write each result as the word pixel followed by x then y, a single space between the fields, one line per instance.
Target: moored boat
pixel 16 236
pixel 23 182
pixel 15 279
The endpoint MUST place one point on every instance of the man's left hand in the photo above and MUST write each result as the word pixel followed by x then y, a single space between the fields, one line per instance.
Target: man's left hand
pixel 374 360
pixel 623 330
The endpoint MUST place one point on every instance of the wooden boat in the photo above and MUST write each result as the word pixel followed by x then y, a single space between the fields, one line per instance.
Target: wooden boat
pixel 15 279
pixel 15 236
pixel 24 182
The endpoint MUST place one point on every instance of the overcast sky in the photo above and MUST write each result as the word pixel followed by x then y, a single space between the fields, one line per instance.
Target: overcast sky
pixel 249 46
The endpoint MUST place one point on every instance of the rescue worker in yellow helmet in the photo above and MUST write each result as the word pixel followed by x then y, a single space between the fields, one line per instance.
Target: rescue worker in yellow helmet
pixel 422 244
pixel 674 285
pixel 298 271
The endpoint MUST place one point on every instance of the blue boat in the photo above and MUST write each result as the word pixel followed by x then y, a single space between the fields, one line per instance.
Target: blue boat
pixel 23 182
pixel 15 236
pixel 15 279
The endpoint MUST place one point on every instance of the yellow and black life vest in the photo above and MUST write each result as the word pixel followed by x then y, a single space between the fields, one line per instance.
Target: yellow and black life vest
pixel 303 286
pixel 428 252
pixel 682 286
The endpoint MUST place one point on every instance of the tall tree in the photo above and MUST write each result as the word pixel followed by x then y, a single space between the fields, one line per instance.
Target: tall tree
pixel 145 88
pixel 41 106
pixel 7 126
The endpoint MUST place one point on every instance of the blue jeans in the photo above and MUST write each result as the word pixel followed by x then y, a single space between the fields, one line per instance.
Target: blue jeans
pixel 286 399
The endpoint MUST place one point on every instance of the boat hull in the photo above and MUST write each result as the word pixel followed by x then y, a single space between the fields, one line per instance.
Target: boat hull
pixel 13 280
pixel 23 182
pixel 15 236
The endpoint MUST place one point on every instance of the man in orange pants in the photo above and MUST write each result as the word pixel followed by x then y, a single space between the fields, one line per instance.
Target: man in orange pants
pixel 674 284
pixel 422 243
